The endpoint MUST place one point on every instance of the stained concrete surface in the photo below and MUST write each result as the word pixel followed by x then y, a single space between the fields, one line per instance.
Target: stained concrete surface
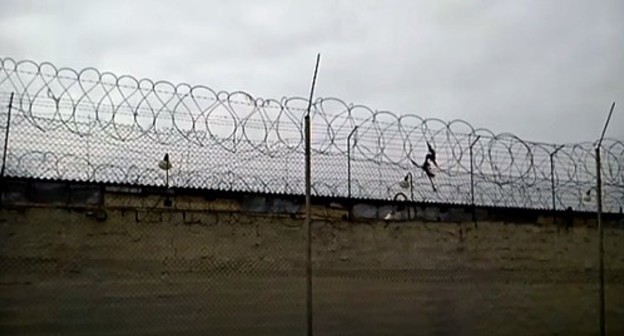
pixel 63 272
pixel 350 304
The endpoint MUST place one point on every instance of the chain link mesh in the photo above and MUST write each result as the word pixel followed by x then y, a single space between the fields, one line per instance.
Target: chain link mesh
pixel 96 126
pixel 79 256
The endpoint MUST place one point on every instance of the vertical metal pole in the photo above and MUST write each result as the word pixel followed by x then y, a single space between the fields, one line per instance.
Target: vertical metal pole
pixel 600 241
pixel 600 229
pixel 286 186
pixel 411 177
pixel 411 182
pixel 6 136
pixel 308 189
pixel 349 166
pixel 472 201
pixel 552 179
pixel 168 166
pixel 349 170
pixel 472 195
pixel 188 157
pixel 6 148
pixel 88 150
pixel 552 183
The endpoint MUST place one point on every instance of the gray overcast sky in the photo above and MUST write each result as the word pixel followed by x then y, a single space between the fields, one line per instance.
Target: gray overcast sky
pixel 543 70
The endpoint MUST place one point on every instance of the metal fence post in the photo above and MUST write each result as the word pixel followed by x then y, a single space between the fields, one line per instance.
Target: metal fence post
pixel 411 187
pixel 6 136
pixel 88 147
pixel 600 240
pixel 5 149
pixel 349 169
pixel 600 229
pixel 308 205
pixel 552 179
pixel 472 195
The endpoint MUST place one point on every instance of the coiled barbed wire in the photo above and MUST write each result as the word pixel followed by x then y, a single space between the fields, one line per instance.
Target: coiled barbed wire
pixel 96 126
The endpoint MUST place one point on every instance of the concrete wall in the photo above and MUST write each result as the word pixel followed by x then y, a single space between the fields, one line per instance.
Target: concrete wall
pixel 124 263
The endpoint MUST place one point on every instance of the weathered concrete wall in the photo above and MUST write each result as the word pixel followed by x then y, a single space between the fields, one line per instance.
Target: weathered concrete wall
pixel 126 264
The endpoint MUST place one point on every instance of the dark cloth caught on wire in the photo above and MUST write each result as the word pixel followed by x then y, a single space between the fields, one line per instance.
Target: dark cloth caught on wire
pixel 426 166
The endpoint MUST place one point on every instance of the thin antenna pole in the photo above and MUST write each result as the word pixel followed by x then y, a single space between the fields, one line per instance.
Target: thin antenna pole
pixel 6 136
pixel 308 201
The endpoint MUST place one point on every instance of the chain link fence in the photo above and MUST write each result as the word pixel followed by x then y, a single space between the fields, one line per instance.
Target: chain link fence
pixel 95 126
pixel 88 244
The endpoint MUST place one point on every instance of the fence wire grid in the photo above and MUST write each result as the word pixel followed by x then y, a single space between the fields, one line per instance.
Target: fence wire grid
pixel 89 125
pixel 87 259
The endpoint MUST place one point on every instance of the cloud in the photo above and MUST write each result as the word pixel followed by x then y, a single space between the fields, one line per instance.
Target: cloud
pixel 544 70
